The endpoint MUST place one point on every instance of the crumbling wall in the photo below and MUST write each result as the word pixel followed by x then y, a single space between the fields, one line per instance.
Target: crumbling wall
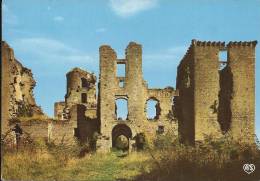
pixel 242 65
pixel 216 101
pixel 165 100
pixel 59 112
pixel 62 132
pixel 206 88
pixel 107 81
pixel 36 129
pixel 81 89
pixel 80 82
pixel 85 127
pixel 7 55
pixel 225 96
pixel 18 83
pixel 50 130
pixel 135 91
pixel 184 103
pixel 135 84
pixel 77 113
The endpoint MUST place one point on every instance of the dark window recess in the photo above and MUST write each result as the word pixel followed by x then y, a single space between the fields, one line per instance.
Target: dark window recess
pixel 160 130
pixel 84 83
pixel 84 98
pixel 76 132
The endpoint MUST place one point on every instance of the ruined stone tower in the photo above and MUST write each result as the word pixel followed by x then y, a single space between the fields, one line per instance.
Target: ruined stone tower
pixel 132 88
pixel 216 96
pixel 80 105
pixel 81 89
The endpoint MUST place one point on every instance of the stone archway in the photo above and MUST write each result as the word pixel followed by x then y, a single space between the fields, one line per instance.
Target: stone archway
pixel 121 131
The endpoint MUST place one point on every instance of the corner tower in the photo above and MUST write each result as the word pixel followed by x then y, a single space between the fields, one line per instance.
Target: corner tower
pixel 217 96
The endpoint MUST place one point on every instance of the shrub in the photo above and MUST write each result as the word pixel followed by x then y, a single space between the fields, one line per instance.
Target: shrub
pixel 212 160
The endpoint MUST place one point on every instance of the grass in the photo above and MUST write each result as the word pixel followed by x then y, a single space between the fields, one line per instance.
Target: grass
pixel 163 160
pixel 93 167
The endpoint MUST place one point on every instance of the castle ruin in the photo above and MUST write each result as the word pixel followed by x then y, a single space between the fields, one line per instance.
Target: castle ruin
pixel 213 97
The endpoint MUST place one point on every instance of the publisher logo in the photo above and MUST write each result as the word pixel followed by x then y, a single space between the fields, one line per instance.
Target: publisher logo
pixel 249 168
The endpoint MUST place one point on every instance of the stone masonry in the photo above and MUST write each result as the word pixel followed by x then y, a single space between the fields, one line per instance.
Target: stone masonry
pixel 80 105
pixel 81 89
pixel 135 91
pixel 213 97
pixel 217 97
pixel 17 99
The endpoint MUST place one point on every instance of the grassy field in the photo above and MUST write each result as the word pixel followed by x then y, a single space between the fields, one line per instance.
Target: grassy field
pixel 93 167
pixel 164 160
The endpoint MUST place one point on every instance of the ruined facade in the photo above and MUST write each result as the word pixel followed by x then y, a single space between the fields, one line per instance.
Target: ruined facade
pixel 217 96
pixel 135 91
pixel 81 89
pixel 17 99
pixel 213 97
pixel 80 105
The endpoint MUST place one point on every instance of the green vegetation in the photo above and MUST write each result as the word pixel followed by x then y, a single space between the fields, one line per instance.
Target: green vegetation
pixel 40 161
pixel 162 160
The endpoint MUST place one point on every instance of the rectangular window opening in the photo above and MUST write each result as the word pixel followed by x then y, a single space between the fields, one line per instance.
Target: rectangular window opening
pixel 121 84
pixel 222 59
pixel 121 109
pixel 120 70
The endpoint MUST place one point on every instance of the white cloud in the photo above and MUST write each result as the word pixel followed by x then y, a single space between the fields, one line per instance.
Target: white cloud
pixel 58 18
pixel 51 51
pixel 101 30
pixel 125 8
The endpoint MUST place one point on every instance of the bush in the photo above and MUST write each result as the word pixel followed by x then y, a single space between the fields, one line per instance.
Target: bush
pixel 212 160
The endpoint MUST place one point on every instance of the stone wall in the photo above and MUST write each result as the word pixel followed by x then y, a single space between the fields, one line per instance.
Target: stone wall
pixel 17 88
pixel 241 57
pixel 135 92
pixel 184 103
pixel 209 100
pixel 206 88
pixel 50 130
pixel 7 55
pixel 81 89
pixel 215 101
pixel 62 132
pixel 59 110
pixel 37 129
pixel 77 110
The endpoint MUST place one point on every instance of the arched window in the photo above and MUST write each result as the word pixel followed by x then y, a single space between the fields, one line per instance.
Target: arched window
pixel 121 109
pixel 153 109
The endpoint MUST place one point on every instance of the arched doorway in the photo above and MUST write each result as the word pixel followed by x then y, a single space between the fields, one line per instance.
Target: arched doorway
pixel 121 134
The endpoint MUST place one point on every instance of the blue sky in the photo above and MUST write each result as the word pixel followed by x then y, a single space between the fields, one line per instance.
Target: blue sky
pixel 52 36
